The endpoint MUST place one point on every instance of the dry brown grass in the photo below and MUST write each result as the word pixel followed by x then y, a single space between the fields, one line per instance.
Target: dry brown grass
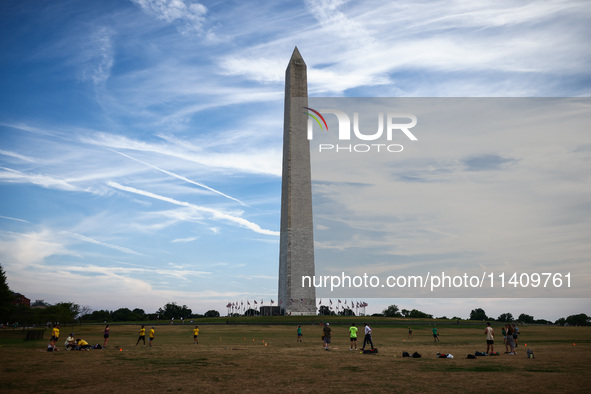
pixel 268 358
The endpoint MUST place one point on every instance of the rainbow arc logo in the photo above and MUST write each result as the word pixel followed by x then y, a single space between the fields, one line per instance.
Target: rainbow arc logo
pixel 315 118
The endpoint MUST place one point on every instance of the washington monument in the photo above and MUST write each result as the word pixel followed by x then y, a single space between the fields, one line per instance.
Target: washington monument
pixel 296 245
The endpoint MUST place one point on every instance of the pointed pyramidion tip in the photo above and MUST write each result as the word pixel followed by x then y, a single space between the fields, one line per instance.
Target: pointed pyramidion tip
pixel 296 57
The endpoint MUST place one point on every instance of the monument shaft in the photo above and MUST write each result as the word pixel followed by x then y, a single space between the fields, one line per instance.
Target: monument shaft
pixel 296 250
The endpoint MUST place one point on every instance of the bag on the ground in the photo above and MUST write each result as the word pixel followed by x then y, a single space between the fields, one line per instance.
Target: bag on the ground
pixel 405 354
pixel 471 356
pixel 416 355
pixel 530 353
pixel 479 354
pixel 370 351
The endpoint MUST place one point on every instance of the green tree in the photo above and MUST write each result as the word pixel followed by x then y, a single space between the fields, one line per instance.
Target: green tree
pixel 416 314
pixel 324 310
pixel 98 316
pixel 62 312
pixel 124 314
pixel 172 310
pixel 347 312
pixel 478 314
pixel 578 320
pixel 524 318
pixel 391 311
pixel 505 317
pixel 212 313
pixel 251 312
pixel 6 297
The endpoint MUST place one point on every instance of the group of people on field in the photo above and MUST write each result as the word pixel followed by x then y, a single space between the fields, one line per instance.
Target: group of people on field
pixel 327 336
pixel 71 343
pixel 510 334
pixel 81 344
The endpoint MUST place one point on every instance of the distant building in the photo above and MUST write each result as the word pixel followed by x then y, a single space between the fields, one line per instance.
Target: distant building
pixel 19 299
pixel 40 304
pixel 270 310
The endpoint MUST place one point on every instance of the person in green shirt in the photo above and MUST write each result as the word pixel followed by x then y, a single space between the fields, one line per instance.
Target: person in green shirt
pixel 435 334
pixel 353 336
pixel 299 334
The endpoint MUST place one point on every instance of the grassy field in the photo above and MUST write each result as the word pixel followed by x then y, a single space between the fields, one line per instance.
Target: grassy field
pixel 256 358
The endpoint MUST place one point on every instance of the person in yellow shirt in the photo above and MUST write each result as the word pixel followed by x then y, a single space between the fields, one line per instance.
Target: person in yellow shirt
pixel 82 344
pixel 55 334
pixel 151 336
pixel 142 336
pixel 196 335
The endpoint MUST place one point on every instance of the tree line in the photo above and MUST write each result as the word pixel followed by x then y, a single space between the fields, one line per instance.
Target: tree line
pixel 69 312
pixel 480 315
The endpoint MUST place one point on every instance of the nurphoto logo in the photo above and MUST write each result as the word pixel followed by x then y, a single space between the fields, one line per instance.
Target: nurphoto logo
pixel 396 124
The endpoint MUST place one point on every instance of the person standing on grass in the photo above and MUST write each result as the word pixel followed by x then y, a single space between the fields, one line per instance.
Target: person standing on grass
pixel 327 334
pixel 515 334
pixel 409 333
pixel 510 340
pixel 151 337
pixel 490 339
pixel 106 335
pixel 435 335
pixel 196 335
pixel 353 335
pixel 55 334
pixel 367 338
pixel 299 334
pixel 142 336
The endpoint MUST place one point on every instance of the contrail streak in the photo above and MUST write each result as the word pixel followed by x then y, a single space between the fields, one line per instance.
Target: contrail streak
pixel 182 178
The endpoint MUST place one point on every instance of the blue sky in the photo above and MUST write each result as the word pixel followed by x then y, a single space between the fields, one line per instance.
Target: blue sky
pixel 140 141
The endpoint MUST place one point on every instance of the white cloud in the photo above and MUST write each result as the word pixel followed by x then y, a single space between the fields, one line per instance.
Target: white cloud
pixel 214 213
pixel 13 176
pixel 190 15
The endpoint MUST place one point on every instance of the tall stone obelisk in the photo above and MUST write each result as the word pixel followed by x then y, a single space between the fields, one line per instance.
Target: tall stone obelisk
pixel 296 248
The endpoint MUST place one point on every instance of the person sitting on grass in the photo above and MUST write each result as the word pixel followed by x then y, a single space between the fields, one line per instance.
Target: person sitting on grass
pixel 70 342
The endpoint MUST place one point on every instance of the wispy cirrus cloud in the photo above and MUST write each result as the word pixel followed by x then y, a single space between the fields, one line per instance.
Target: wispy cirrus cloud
pixel 105 244
pixel 190 15
pixel 13 176
pixel 17 156
pixel 182 178
pixel 214 213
